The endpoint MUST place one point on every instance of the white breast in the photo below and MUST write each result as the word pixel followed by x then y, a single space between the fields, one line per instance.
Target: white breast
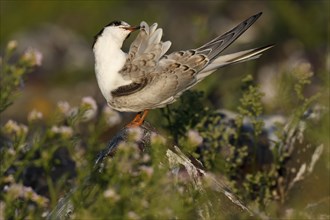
pixel 109 60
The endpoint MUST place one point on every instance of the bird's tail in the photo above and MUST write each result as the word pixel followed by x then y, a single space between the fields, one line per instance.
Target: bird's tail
pixel 233 58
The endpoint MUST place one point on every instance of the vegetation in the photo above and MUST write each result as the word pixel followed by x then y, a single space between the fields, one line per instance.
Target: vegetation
pixel 46 158
pixel 269 152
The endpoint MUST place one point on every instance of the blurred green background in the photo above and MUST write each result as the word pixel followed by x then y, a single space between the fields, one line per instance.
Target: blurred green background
pixel 63 31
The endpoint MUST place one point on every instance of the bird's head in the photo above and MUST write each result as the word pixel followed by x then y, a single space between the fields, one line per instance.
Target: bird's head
pixel 116 31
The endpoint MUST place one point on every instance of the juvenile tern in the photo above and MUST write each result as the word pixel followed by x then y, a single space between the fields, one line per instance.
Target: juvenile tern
pixel 145 78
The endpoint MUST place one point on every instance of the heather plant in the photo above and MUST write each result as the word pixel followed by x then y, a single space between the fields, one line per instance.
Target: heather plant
pixel 12 73
pixel 48 163
pixel 257 159
pixel 39 159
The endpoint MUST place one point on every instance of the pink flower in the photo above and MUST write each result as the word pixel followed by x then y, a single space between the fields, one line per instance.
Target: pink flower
pixel 65 131
pixel 112 117
pixel 12 127
pixel 64 108
pixel 12 45
pixel 34 115
pixel 33 56
pixel 194 137
pixel 91 108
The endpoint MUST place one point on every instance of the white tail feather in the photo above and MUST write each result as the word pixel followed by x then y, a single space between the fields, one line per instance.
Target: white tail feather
pixel 229 59
pixel 236 58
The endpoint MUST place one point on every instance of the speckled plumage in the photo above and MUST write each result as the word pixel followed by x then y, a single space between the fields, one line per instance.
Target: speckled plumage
pixel 150 79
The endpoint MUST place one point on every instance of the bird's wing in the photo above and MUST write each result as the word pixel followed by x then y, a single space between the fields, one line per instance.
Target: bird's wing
pixel 181 70
pixel 172 74
pixel 142 59
pixel 148 42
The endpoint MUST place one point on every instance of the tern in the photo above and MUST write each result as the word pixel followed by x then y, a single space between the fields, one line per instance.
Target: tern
pixel 146 77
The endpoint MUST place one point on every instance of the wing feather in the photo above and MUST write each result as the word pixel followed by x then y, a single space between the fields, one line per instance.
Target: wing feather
pixel 144 53
pixel 151 70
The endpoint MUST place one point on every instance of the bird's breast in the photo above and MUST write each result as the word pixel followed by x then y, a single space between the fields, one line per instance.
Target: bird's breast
pixel 107 67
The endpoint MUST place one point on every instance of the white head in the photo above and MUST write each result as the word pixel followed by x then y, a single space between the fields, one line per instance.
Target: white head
pixel 115 32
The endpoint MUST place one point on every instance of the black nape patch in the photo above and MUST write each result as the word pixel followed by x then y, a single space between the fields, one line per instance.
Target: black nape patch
pixel 115 23
pixel 112 23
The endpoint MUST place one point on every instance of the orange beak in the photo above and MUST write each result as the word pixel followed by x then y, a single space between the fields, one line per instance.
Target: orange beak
pixel 132 28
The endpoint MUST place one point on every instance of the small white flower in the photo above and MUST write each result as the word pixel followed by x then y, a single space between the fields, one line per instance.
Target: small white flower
pixel 45 214
pixel 111 117
pixel 11 151
pixel 65 131
pixel 33 56
pixel 135 133
pixel 12 127
pixel 305 67
pixel 55 129
pixel 19 191
pixel 64 108
pixel 157 139
pixel 194 137
pixel 145 203
pixel 146 158
pixel 34 115
pixel 90 104
pixel 111 194
pixel 38 57
pixel 148 170
pixel 12 45
pixel 132 215
pixel 9 179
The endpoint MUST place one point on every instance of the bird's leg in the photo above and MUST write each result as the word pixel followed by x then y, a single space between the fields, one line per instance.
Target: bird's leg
pixel 138 119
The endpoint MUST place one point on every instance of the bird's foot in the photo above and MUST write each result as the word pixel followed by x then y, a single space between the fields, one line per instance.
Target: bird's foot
pixel 138 119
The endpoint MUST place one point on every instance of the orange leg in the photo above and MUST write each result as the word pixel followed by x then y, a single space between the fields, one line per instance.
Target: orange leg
pixel 138 120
